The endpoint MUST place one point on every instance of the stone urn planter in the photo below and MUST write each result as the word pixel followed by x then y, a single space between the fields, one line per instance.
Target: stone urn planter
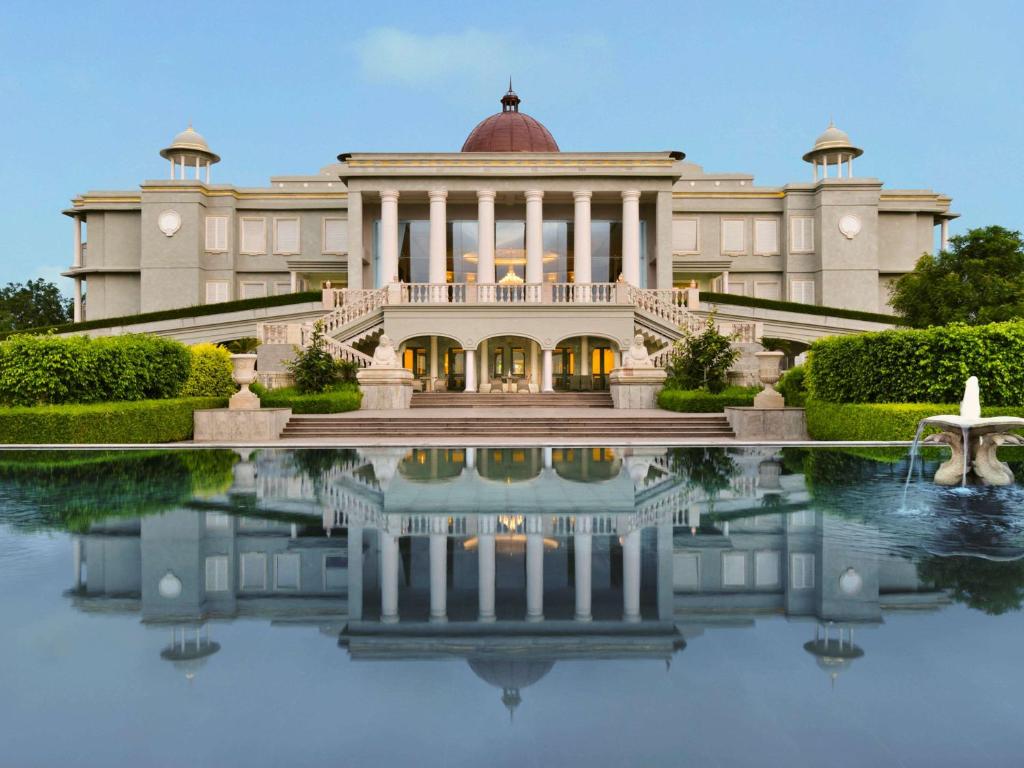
pixel 243 371
pixel 769 367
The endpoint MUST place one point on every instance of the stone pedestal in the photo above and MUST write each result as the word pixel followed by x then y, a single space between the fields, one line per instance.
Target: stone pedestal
pixel 385 389
pixel 241 426
pixel 636 387
pixel 767 424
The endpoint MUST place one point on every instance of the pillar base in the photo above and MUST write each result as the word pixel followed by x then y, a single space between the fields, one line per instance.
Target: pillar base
pixel 388 619
pixel 244 426
pixel 385 389
pixel 767 423
pixel 439 619
pixel 636 388
pixel 535 619
pixel 631 619
pixel 583 618
pixel 487 619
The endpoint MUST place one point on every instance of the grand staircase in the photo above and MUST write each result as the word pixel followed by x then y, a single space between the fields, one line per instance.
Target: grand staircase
pixel 560 429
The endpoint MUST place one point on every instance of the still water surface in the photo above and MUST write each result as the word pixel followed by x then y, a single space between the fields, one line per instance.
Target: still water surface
pixel 506 607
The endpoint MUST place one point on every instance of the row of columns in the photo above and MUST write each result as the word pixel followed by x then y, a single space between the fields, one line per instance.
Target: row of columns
pixel 485 245
pixel 178 168
pixel 486 545
pixel 77 264
pixel 822 163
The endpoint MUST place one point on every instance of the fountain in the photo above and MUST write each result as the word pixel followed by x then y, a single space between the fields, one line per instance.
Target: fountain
pixel 973 441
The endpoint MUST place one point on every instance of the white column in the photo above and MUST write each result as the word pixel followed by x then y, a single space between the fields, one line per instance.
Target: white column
pixel 388 237
pixel 535 373
pixel 77 262
pixel 438 254
pixel 78 300
pixel 631 236
pixel 171 158
pixel 486 527
pixel 944 235
pixel 534 568
pixel 197 168
pixel 547 457
pixel 814 164
pixel 388 578
pixel 546 384
pixel 584 355
pixel 76 554
pixel 471 458
pixel 824 166
pixel 438 569
pixel 583 546
pixel 631 577
pixel 484 373
pixel 470 370
pixel 433 359
pixel 849 166
pixel 485 237
pixel 181 166
pixel 355 573
pixel 534 242
pixel 581 242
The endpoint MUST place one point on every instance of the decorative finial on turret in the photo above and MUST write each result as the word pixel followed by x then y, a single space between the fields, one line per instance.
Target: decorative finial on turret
pixel 510 101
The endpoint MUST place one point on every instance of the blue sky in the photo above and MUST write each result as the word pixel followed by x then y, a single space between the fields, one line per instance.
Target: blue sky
pixel 91 92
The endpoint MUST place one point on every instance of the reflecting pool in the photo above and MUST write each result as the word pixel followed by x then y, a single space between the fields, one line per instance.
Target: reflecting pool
pixel 506 607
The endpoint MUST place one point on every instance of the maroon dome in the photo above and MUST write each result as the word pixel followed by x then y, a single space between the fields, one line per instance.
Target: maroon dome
pixel 510 131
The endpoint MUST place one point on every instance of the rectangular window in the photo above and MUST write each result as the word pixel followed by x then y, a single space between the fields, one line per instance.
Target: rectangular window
pixel 286 236
pixel 801 291
pixel 217 520
pixel 802 519
pixel 737 288
pixel 252 290
pixel 335 236
pixel 766 237
pixel 216 234
pixel 733 239
pixel 734 569
pixel 686 571
pixel 253 236
pixel 767 290
pixel 685 236
pixel 766 568
pixel 286 570
pixel 801 566
pixel 253 570
pixel 217 291
pixel 217 573
pixel 280 289
pixel 801 234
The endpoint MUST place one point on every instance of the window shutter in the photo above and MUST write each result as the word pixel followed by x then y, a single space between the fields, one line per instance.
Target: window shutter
pixel 217 573
pixel 335 235
pixel 216 291
pixel 766 237
pixel 802 291
pixel 684 235
pixel 216 233
pixel 802 565
pixel 766 569
pixel 254 236
pixel 286 236
pixel 802 234
pixel 766 291
pixel 732 236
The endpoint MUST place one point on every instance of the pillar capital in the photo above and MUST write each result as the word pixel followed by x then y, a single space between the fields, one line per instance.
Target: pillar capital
pixel 534 195
pixel 582 195
pixel 631 194
pixel 437 195
pixel 389 195
pixel 486 195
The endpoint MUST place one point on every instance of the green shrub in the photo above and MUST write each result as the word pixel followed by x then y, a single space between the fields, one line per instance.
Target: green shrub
pixel 314 368
pixel 793 306
pixel 209 372
pixel 702 401
pixel 701 360
pixel 337 399
pixel 920 366
pixel 879 421
pixel 37 370
pixel 144 421
pixel 793 386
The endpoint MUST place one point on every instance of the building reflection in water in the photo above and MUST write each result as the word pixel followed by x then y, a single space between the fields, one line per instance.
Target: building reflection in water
pixel 510 559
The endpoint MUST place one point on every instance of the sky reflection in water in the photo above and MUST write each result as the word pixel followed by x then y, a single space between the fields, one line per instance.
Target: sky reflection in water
pixel 744 607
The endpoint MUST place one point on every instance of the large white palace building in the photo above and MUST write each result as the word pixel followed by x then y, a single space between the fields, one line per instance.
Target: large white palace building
pixel 510 219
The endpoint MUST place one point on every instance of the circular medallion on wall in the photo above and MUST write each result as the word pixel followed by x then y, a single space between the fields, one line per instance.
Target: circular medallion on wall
pixel 169 586
pixel 849 225
pixel 169 222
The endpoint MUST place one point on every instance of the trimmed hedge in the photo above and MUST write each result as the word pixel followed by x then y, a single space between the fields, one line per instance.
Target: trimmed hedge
pixel 879 421
pixel 141 421
pixel 209 372
pixel 701 401
pixel 341 398
pixel 793 386
pixel 200 310
pixel 920 366
pixel 37 370
pixel 794 306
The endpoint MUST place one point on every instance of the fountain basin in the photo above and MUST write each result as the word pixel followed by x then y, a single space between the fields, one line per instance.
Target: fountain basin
pixel 974 443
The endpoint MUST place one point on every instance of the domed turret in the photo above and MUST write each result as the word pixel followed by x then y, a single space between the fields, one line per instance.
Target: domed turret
pixel 189 150
pixel 510 675
pixel 510 131
pixel 833 147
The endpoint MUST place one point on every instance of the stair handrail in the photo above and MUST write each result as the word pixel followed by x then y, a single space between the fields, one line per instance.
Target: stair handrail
pixel 355 305
pixel 667 305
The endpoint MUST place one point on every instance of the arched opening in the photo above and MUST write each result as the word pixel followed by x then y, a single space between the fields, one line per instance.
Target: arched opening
pixel 509 364
pixel 437 363
pixel 582 363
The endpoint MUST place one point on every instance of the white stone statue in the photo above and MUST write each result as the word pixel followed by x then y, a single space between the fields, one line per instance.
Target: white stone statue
pixel 636 356
pixel 385 355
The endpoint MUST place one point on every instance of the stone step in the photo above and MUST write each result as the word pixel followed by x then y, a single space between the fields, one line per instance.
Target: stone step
pixel 515 400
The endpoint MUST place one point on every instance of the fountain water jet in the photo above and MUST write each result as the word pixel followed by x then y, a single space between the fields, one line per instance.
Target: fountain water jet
pixel 973 441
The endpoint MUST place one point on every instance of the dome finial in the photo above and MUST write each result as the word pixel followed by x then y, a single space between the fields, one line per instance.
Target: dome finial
pixel 510 101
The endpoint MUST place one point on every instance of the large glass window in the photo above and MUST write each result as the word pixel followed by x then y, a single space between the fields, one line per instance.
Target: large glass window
pixel 606 251
pixel 463 244
pixel 509 249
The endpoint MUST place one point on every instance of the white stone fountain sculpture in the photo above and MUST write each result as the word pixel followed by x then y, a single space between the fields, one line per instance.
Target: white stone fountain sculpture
pixel 973 441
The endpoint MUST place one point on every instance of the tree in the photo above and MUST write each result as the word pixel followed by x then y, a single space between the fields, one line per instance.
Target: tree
pixel 32 305
pixel 701 360
pixel 979 280
pixel 314 368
